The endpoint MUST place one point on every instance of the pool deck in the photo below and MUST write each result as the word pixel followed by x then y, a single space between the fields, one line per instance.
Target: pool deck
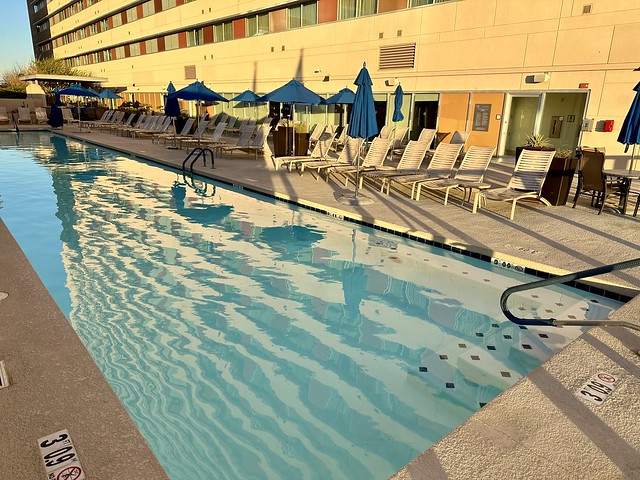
pixel 538 428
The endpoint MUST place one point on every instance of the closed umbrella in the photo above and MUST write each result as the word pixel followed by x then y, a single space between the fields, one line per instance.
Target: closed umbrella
pixel 397 105
pixel 294 93
pixel 172 109
pixel 55 118
pixel 362 123
pixel 630 131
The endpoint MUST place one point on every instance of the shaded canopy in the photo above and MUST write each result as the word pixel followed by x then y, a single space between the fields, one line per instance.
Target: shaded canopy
pixel 246 96
pixel 344 96
pixel 79 91
pixel 108 94
pixel 362 123
pixel 293 92
pixel 197 91
pixel 630 131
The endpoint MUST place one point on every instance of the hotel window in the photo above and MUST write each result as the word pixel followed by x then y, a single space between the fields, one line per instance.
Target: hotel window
pixel 194 37
pixel 134 49
pixel 223 31
pixel 148 8
pixel 167 4
pixel 302 15
pixel 356 8
pixel 117 20
pixel 95 58
pixel 119 53
pixel 39 6
pixel 107 55
pixel 104 25
pixel 42 27
pixel 132 15
pixel 171 42
pixel 93 28
pixel 257 24
pixel 81 33
pixel 151 46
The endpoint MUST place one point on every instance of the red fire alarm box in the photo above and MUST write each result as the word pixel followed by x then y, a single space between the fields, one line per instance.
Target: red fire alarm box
pixel 608 126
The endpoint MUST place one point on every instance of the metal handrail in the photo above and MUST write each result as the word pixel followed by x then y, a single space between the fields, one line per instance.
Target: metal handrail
pixel 564 279
pixel 199 152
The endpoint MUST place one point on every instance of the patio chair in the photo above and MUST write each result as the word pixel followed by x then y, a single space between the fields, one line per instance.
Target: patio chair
pixel 186 128
pixel 161 126
pixel 593 181
pixel 195 136
pixel 4 117
pixel 257 143
pixel 468 177
pixel 24 116
pixel 373 160
pixel 316 133
pixel 461 138
pixel 213 141
pixel 140 122
pixel 526 181
pixel 149 124
pixel 440 166
pixel 340 139
pixel 348 157
pixel 320 151
pixel 41 115
pixel 243 140
pixel 112 121
pixel 386 131
pixel 397 137
pixel 409 164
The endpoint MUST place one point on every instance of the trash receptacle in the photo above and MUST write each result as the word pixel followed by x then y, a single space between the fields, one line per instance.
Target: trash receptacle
pixel 558 182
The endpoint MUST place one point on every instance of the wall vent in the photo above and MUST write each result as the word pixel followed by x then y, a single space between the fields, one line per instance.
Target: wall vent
pixel 381 35
pixel 587 8
pixel 190 72
pixel 397 56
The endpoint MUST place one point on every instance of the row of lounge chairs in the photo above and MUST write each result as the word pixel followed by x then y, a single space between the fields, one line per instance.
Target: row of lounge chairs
pixel 439 175
pixel 24 116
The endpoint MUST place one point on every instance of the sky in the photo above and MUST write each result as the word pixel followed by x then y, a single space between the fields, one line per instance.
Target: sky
pixel 15 35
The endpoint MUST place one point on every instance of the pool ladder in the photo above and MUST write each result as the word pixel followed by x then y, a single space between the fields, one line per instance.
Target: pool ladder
pixel 195 154
pixel 566 279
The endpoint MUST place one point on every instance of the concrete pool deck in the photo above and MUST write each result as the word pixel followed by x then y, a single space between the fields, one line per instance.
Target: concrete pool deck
pixel 538 428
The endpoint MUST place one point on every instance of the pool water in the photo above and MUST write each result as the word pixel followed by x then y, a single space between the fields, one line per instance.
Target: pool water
pixel 248 338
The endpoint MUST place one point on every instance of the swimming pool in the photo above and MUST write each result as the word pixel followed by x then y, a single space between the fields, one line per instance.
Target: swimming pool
pixel 251 339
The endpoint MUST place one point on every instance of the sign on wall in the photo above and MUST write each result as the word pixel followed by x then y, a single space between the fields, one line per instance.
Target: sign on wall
pixel 481 117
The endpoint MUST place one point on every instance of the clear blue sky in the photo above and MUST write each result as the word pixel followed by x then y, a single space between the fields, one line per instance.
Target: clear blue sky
pixel 15 35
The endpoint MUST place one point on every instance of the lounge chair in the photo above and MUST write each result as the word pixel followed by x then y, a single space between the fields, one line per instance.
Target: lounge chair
pixel 440 166
pixel 4 117
pixel 410 162
pixel 397 137
pixel 148 124
pixel 213 142
pixel 186 128
pixel 526 181
pixel 468 177
pixel 461 138
pixel 373 160
pixel 257 143
pixel 386 131
pixel 195 136
pixel 67 116
pixel 320 151
pixel 41 116
pixel 592 180
pixel 161 126
pixel 315 134
pixel 24 116
pixel 340 139
pixel 426 137
pixel 112 121
pixel 140 122
pixel 348 157
pixel 243 140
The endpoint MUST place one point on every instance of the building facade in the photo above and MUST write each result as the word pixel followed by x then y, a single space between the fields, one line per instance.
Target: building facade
pixel 501 69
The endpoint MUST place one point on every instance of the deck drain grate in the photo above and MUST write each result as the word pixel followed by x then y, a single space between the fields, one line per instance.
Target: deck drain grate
pixel 4 380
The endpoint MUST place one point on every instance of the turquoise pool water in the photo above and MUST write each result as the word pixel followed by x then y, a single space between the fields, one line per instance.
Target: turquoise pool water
pixel 251 339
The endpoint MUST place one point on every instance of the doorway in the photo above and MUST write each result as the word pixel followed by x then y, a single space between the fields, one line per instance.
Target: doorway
pixel 522 121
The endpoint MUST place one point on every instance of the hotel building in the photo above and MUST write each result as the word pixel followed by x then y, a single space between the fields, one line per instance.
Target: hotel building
pixel 500 69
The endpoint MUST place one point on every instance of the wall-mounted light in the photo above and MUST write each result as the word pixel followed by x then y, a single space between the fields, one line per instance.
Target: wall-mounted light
pixel 318 70
pixel 326 78
pixel 391 83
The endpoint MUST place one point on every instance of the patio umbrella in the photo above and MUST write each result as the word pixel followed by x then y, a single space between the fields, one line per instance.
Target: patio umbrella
pixel 294 93
pixel 199 92
pixel 630 131
pixel 55 117
pixel 78 90
pixel 172 108
pixel 248 97
pixel 343 97
pixel 362 123
pixel 109 95
pixel 397 105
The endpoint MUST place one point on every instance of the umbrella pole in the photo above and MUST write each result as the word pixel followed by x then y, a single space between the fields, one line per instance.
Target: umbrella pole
pixel 358 169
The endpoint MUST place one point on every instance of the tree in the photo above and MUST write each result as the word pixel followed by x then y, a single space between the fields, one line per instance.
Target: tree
pixel 46 66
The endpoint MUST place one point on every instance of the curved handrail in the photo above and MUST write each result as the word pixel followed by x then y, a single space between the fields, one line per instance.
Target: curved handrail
pixel 198 152
pixel 564 279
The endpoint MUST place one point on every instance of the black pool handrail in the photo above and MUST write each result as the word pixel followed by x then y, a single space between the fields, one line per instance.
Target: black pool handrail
pixel 198 152
pixel 565 279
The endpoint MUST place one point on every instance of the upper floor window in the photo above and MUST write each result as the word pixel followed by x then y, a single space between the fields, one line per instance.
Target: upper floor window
pixel 117 20
pixel 134 49
pixel 194 37
pixel 132 15
pixel 223 31
pixel 302 15
pixel 39 6
pixel 356 8
pixel 171 42
pixel 167 4
pixel 419 3
pixel 257 24
pixel 148 8
pixel 42 27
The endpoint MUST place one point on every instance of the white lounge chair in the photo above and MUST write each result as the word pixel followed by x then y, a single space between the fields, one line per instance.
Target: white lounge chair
pixel 526 181
pixel 4 117
pixel 468 177
pixel 348 157
pixel 373 160
pixel 320 151
pixel 410 163
pixel 24 116
pixel 41 115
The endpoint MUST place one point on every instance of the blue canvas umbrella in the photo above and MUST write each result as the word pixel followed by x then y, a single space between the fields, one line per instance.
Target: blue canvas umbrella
pixel 362 123
pixel 294 93
pixel 55 117
pixel 172 108
pixel 78 90
pixel 109 95
pixel 344 96
pixel 630 131
pixel 397 105
pixel 248 97
pixel 197 91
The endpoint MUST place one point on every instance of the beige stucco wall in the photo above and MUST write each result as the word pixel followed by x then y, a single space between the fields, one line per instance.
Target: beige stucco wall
pixel 466 45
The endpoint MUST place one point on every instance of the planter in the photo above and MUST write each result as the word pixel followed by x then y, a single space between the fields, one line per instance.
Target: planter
pixel 283 142
pixel 555 188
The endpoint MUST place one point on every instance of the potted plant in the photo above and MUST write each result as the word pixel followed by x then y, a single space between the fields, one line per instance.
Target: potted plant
pixel 302 138
pixel 534 141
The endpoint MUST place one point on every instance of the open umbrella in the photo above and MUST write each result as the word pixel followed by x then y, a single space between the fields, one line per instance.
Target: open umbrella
pixel 78 90
pixel 109 95
pixel 362 123
pixel 197 91
pixel 172 109
pixel 630 131
pixel 55 118
pixel 343 97
pixel 248 97
pixel 294 93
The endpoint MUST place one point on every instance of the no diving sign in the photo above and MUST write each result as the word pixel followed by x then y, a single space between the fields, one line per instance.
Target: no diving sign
pixel 72 472
pixel 59 457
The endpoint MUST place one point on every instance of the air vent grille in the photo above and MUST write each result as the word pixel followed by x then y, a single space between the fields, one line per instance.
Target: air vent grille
pixel 397 56
pixel 586 8
pixel 190 72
